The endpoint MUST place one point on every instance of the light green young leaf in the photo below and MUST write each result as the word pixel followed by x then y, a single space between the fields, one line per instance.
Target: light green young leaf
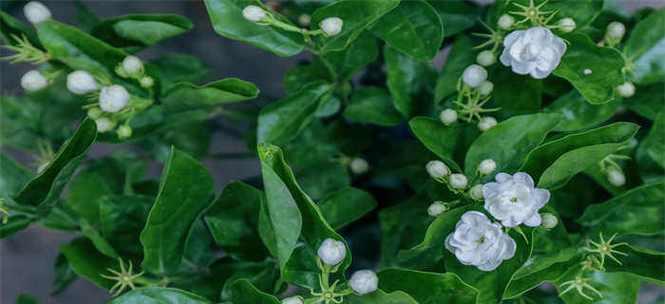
pixel 372 105
pixel 141 30
pixel 645 48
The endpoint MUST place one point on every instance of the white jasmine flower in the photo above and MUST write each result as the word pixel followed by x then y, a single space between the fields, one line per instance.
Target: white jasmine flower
pixel 359 166
pixel 104 124
pixel 486 123
pixel 616 177
pixel 458 181
pixel 567 25
pixel 254 13
pixel 33 81
pixel 474 75
pixel 146 82
pixel 514 200
pixel 81 82
pixel 549 220
pixel 535 51
pixel 331 26
pixel 332 252
pixel 437 169
pixel 124 132
pixel 626 89
pixel 293 300
pixel 476 192
pixel 436 208
pixel 479 242
pixel 587 72
pixel 486 58
pixel 132 65
pixel 364 282
pixel 486 88
pixel 448 116
pixel 505 22
pixel 615 30
pixel 36 12
pixel 113 98
pixel 487 166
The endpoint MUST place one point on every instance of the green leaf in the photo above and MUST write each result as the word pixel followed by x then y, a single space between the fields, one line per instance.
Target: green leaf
pixel 11 28
pixel 159 295
pixel 64 275
pixel 645 48
pixel 185 191
pixel 175 68
pixel 227 20
pixel 573 162
pixel 509 142
pixel 653 145
pixel 357 16
pixel 427 287
pixel 577 114
pixel 187 96
pixel 637 211
pixel 460 57
pixel 381 297
pixel 97 239
pixel 346 206
pixel 615 288
pixel 646 101
pixel 437 137
pixel 641 262
pixel 372 105
pixel 245 292
pixel 141 30
pixel 121 219
pixel 26 299
pixel 281 121
pixel 456 15
pixel 604 63
pixel 349 61
pixel 413 28
pixel 512 102
pixel 407 79
pixel 89 263
pixel 12 176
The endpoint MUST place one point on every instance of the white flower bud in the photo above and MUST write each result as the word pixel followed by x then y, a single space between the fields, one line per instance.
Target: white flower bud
pixel 113 98
pixel 616 30
pixel 81 82
pixel 506 22
pixel 486 58
pixel 254 13
pixel 332 252
pixel 36 12
pixel 448 116
pixel 486 123
pixel 587 72
pixel 132 65
pixel 437 169
pixel 95 113
pixel 359 166
pixel 124 132
pixel 476 192
pixel 104 124
pixel 436 208
pixel 487 166
pixel 486 88
pixel 567 25
pixel 146 82
pixel 458 181
pixel 549 220
pixel 293 300
pixel 364 282
pixel 626 89
pixel 33 81
pixel 331 26
pixel 616 177
pixel 474 75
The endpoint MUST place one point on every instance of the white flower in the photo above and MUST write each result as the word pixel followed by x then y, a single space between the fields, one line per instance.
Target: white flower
pixel 124 132
pixel 448 116
pixel 567 25
pixel 505 22
pixel 104 124
pixel 535 51
pixel 437 169
pixel 474 75
pixel 332 252
pixel 36 12
pixel 132 65
pixel 616 177
pixel 293 300
pixel 364 282
pixel 615 30
pixel 486 123
pixel 113 98
pixel 487 166
pixel 479 242
pixel 486 58
pixel 626 89
pixel 254 13
pixel 436 208
pixel 33 81
pixel 476 192
pixel 458 181
pixel 549 220
pixel 331 26
pixel 359 166
pixel 81 82
pixel 514 200
pixel 486 88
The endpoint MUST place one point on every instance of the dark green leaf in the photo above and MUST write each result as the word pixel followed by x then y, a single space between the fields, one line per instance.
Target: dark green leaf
pixel 427 287
pixel 437 137
pixel 381 297
pixel 64 275
pixel 653 145
pixel 346 206
pixel 141 30
pixel 372 105
pixel 511 101
pixel 159 295
pixel 641 262
pixel 245 292
pixel 186 96
pixel 174 68
pixel 573 162
pixel 577 114
pixel 647 100
pixel 456 15
pixel 615 288
pixel 12 176
pixel 460 57
pixel 89 263
pixel 349 61
pixel 645 48
pixel 407 79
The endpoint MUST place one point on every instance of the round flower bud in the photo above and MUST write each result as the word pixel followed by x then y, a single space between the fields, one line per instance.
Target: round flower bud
pixel 486 88
pixel 549 220
pixel 132 65
pixel 487 166
pixel 124 132
pixel 476 192
pixel 436 208
pixel 254 13
pixel 486 58
pixel 626 89
pixel 332 252
pixel 113 98
pixel 33 81
pixel 616 177
pixel 95 113
pixel 486 123
pixel 567 25
pixel 474 75
pixel 36 12
pixel 616 30
pixel 506 22
pixel 331 26
pixel 104 124
pixel 437 169
pixel 448 116
pixel 587 72
pixel 304 19
pixel 81 82
pixel 364 282
pixel 359 166
pixel 146 82
pixel 458 181
pixel 293 300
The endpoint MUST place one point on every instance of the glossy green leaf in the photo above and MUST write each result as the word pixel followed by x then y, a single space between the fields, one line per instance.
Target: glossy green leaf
pixel 245 292
pixel 176 68
pixel 573 162
pixel 645 48
pixel 512 102
pixel 615 288
pixel 159 295
pixel 97 239
pixel 407 79
pixel 381 297
pixel 372 105
pixel 64 275
pixel 349 61
pixel 653 145
pixel 346 206
pixel 26 299
pixel 577 114
pixel 437 137
pixel 459 58
pixel 604 63
pixel 262 275
pixel 12 176
pixel 413 28
pixel 11 28
pixel 641 262
pixel 141 30
pixel 227 20
pixel 185 191
pixel 186 96
pixel 456 15
pixel 89 263
pixel 427 287
pixel 646 101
